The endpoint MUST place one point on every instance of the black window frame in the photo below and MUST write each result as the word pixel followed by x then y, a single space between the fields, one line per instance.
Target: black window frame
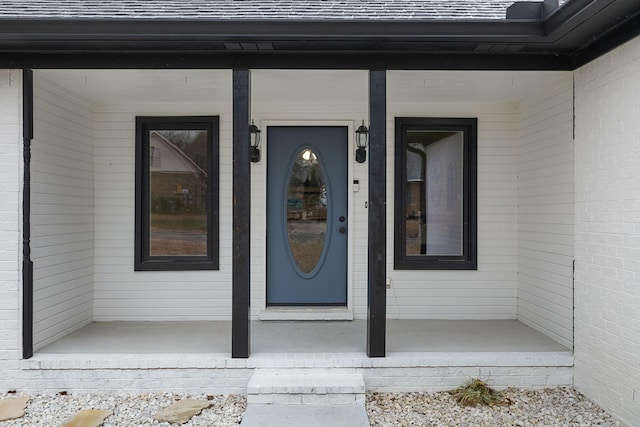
pixel 144 261
pixel 468 259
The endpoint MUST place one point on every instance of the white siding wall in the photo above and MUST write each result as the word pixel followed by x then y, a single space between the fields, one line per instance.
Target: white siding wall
pixel 119 292
pixel 491 291
pixel 607 231
pixel 122 294
pixel 62 212
pixel 545 211
pixel 10 217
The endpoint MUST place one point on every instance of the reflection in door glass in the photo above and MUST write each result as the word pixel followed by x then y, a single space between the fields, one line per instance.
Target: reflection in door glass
pixel 178 188
pixel 306 210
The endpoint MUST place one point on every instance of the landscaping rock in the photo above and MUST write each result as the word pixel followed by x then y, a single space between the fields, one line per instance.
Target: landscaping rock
pixel 530 408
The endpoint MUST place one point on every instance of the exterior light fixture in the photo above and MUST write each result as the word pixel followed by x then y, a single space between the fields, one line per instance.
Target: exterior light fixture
pixel 362 140
pixel 254 135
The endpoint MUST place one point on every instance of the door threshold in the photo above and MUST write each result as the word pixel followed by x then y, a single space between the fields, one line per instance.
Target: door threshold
pixel 306 313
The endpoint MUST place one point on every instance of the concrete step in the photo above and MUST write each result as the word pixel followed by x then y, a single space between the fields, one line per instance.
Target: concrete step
pixel 305 416
pixel 306 386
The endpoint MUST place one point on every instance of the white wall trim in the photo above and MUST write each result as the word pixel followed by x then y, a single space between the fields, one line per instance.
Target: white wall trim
pixel 306 313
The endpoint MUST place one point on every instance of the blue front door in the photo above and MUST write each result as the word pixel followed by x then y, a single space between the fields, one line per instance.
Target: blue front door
pixel 307 215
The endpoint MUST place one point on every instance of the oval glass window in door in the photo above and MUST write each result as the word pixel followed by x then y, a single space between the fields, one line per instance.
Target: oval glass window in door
pixel 306 211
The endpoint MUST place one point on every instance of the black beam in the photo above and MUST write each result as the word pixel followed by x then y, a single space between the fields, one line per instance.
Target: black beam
pixel 377 254
pixel 27 264
pixel 289 60
pixel 241 293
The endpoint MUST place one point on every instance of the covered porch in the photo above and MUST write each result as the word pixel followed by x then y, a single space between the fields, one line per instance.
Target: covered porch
pixel 93 311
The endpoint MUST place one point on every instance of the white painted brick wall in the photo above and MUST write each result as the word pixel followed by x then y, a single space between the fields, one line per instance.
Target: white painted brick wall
pixel 214 381
pixel 197 373
pixel 235 380
pixel 607 231
pixel 447 378
pixel 10 213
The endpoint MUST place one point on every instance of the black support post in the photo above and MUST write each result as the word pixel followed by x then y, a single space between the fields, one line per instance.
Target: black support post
pixel 240 326
pixel 377 255
pixel 27 264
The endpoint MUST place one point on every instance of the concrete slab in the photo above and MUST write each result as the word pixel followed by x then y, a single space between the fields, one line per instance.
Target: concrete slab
pixel 303 337
pixel 305 415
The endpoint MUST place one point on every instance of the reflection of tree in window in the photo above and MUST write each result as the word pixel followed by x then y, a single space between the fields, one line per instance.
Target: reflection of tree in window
pixel 154 154
pixel 178 190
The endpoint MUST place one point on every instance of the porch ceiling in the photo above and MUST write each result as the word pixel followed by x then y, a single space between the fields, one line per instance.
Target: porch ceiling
pixel 114 86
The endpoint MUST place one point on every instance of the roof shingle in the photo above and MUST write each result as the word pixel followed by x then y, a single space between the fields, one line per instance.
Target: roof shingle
pixel 258 9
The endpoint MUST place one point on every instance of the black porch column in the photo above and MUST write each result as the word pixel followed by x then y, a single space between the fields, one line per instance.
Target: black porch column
pixel 377 259
pixel 240 332
pixel 27 264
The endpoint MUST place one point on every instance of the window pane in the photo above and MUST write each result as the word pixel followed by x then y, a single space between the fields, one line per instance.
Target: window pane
pixel 178 192
pixel 434 188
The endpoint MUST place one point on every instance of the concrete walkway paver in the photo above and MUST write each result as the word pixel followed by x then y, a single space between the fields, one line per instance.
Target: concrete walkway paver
pixel 10 409
pixel 87 418
pixel 181 411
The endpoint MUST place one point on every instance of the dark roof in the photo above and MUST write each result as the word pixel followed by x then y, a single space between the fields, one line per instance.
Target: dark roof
pixel 259 9
pixel 343 34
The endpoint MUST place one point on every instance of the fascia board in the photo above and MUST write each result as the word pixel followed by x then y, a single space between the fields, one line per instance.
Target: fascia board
pixel 148 30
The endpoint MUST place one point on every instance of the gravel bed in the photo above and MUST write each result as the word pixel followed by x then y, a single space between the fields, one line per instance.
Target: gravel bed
pixel 550 407
pixel 48 410
pixel 544 408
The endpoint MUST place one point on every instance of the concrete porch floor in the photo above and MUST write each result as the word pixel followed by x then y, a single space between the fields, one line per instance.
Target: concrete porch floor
pixel 214 337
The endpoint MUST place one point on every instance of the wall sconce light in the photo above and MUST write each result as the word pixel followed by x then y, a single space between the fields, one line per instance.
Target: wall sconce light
pixel 254 134
pixel 362 140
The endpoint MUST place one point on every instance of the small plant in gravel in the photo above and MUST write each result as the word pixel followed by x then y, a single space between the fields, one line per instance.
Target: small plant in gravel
pixel 477 392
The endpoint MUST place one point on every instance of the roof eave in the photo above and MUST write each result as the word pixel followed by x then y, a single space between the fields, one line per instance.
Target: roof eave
pixel 553 41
